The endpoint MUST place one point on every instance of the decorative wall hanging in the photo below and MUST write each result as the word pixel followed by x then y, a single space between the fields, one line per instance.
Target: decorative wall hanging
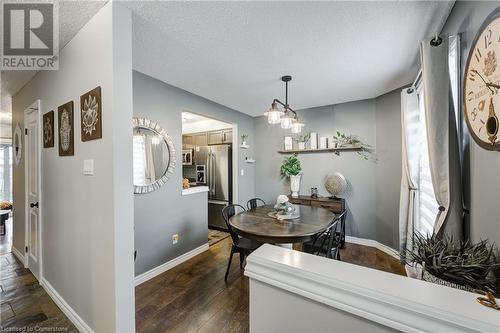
pixel 481 85
pixel 66 129
pixel 91 114
pixel 154 156
pixel 18 144
pixel 48 129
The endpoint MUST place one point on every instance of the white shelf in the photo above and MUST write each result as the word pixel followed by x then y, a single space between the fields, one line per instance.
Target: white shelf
pixel 250 160
pixel 244 146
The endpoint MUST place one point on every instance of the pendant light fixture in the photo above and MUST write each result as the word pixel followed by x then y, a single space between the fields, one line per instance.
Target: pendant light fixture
pixel 288 117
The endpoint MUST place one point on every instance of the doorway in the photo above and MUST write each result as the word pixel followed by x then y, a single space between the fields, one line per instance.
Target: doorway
pixel 32 169
pixel 211 147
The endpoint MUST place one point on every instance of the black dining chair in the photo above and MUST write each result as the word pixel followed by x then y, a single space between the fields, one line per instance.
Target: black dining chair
pixel 243 246
pixel 328 242
pixel 254 203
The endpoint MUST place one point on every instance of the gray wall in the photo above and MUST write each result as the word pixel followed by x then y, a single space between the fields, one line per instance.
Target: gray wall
pixel 388 168
pixel 87 220
pixel 482 179
pixel 373 193
pixel 160 214
pixel 357 118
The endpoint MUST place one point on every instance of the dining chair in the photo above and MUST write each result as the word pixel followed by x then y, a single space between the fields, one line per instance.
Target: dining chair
pixel 254 203
pixel 332 237
pixel 241 245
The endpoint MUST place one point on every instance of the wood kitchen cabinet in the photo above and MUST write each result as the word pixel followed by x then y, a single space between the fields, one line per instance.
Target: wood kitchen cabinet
pixel 200 139
pixel 187 141
pixel 227 136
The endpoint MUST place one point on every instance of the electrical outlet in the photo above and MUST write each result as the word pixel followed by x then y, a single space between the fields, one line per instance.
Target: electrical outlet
pixel 175 238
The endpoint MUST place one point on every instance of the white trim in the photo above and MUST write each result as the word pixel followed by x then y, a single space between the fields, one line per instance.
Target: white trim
pixel 169 264
pixel 373 243
pixel 404 304
pixel 80 324
pixel 19 255
pixel 193 190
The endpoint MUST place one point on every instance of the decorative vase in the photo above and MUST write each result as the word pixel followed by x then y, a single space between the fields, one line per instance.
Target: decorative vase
pixel 295 185
pixel 302 145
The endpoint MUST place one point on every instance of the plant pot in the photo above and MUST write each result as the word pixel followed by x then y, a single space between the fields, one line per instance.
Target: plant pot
pixel 302 145
pixel 429 277
pixel 295 185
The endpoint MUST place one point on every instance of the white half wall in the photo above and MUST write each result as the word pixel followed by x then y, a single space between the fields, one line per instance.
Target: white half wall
pixel 88 220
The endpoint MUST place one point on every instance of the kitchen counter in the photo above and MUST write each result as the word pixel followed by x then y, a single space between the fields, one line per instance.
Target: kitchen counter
pixel 195 189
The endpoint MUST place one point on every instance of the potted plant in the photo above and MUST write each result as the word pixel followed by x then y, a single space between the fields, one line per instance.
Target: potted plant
pixel 463 265
pixel 302 140
pixel 244 139
pixel 349 140
pixel 291 168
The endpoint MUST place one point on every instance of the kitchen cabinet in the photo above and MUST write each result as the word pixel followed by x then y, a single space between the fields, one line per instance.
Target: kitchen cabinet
pixel 215 138
pixel 200 139
pixel 187 140
pixel 227 136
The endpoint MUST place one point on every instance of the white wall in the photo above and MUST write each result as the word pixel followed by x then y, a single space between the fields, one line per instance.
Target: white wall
pixel 88 220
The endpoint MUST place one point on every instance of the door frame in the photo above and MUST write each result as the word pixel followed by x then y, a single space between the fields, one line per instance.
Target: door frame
pixel 37 105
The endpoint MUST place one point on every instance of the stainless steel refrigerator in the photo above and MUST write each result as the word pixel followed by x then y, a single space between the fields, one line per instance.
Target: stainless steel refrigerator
pixel 218 168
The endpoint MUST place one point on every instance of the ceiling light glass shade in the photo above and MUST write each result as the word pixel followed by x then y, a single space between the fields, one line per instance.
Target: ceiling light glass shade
pixel 273 114
pixel 287 121
pixel 296 127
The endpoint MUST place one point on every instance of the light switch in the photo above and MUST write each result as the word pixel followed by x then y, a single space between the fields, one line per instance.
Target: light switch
pixel 88 167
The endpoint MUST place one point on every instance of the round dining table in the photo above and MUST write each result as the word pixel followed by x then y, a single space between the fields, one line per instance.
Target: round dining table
pixel 256 224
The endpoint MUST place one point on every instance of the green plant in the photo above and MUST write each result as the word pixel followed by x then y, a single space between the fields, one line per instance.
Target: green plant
pixel 462 263
pixel 344 140
pixel 291 166
pixel 302 137
pixel 244 137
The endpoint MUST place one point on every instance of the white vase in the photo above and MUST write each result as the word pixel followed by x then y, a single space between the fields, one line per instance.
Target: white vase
pixel 302 145
pixel 295 185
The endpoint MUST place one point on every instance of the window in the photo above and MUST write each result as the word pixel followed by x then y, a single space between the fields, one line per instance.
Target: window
pixel 5 173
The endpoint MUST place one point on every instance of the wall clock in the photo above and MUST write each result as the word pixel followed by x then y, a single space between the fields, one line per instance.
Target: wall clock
pixel 482 85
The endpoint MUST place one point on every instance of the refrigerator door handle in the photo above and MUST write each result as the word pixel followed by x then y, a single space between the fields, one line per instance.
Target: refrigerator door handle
pixel 214 172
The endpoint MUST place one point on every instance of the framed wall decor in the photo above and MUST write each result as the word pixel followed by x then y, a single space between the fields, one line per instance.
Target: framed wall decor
pixel 66 129
pixel 91 113
pixel 48 129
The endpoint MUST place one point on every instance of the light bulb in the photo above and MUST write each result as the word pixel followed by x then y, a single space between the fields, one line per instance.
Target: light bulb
pixel 287 121
pixel 296 127
pixel 273 114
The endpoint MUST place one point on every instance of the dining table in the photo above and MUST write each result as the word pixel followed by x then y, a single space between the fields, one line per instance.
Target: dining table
pixel 260 224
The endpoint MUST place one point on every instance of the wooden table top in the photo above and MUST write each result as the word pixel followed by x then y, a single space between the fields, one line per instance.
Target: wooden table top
pixel 256 224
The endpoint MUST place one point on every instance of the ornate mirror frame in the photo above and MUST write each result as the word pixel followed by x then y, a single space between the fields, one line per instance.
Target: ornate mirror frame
pixel 139 122
pixel 17 150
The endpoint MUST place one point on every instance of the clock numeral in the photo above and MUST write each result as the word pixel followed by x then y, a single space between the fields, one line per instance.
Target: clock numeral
pixel 478 55
pixel 470 96
pixel 473 114
pixel 472 75
pixel 487 38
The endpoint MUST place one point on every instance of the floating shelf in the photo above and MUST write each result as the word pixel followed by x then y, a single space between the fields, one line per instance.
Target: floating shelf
pixel 325 150
pixel 250 160
pixel 244 146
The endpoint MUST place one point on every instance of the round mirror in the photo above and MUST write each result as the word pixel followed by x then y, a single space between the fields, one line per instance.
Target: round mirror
pixel 18 144
pixel 154 156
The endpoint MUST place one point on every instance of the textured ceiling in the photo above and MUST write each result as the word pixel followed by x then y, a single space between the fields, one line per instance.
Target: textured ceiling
pixel 72 17
pixel 234 53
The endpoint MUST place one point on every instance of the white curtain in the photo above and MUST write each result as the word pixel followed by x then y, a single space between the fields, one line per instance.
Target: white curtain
pixel 408 212
pixel 442 138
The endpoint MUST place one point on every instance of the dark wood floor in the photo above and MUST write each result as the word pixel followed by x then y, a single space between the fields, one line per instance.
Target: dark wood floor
pixel 193 297
pixel 25 306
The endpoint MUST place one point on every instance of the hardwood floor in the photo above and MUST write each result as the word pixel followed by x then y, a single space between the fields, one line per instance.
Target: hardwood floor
pixel 193 297
pixel 24 305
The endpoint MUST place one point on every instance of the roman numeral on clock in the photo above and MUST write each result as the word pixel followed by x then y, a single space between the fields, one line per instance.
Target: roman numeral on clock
pixel 478 55
pixel 472 75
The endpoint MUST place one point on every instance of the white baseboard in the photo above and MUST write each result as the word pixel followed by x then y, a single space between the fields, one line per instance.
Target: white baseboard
pixel 169 264
pixel 19 255
pixel 80 324
pixel 373 243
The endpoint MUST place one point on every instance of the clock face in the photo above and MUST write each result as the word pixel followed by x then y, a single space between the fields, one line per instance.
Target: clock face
pixel 482 85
